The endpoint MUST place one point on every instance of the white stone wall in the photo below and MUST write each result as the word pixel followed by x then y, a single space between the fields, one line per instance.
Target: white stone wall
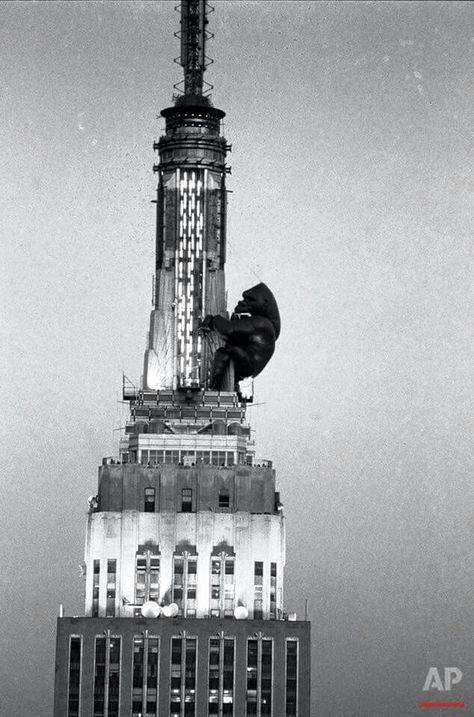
pixel 252 537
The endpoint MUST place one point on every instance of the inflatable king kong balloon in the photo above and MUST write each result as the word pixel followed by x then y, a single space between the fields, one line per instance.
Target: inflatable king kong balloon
pixel 249 334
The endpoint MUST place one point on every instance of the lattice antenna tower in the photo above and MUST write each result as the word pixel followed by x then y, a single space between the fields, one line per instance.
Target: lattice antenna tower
pixel 193 36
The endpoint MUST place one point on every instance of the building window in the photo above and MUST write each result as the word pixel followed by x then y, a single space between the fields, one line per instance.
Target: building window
pixel 99 676
pixel 147 577
pixel 191 588
pixel 291 678
pixel 178 582
pixel 152 664
pixel 273 591
pixel 95 588
pixel 267 673
pixel 114 677
pixel 74 680
pixel 138 690
pixel 170 457
pixel 222 585
pixel 149 500
pixel 188 458
pixel 259 677
pixel 107 676
pixel 224 499
pixel 183 677
pixel 221 676
pixel 202 457
pixel 252 677
pixel 258 591
pixel 145 676
pixel 215 458
pixel 186 500
pixel 111 588
pixel 185 583
pixel 151 457
pixel 258 609
pixel 218 458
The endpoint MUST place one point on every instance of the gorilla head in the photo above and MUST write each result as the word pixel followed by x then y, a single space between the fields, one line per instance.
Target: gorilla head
pixel 259 301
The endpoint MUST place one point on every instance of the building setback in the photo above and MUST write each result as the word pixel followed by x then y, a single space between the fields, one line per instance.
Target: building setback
pixel 185 543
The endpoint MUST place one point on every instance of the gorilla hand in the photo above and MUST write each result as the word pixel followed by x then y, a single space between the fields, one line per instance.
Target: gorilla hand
pixel 207 324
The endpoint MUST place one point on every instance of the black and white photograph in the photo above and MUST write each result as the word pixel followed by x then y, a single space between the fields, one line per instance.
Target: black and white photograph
pixel 237 351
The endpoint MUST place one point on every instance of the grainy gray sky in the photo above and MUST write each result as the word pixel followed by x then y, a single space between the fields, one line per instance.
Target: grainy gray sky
pixel 351 126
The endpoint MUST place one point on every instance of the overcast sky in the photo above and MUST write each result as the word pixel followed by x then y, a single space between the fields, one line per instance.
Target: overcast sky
pixel 351 126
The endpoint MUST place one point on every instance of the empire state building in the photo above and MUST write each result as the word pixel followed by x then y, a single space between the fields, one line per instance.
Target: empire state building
pixel 185 543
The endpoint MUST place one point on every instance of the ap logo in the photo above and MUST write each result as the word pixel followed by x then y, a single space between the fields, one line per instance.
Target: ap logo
pixel 434 681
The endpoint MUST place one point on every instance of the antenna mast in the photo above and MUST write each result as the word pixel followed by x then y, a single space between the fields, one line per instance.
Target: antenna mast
pixel 193 36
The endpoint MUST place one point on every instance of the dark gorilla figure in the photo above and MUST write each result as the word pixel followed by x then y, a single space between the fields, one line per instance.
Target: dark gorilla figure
pixel 250 335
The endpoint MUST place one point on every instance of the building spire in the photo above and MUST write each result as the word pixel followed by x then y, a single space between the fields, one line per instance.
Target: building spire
pixel 193 36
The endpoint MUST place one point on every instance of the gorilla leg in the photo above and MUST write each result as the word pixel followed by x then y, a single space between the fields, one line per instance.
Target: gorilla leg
pixel 219 367
pixel 243 364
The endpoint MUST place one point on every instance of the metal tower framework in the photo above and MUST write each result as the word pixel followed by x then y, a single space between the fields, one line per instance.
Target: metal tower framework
pixel 193 36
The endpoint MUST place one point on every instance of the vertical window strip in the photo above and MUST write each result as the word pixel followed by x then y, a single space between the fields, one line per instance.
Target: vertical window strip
pixel 213 679
pixel 178 582
pixel 154 578
pixel 229 586
pixel 266 677
pixel 152 663
pixel 185 583
pixel 106 696
pixel 140 580
pixel 183 677
pixel 137 676
pixel 147 577
pixel 215 606
pixel 258 590
pixel 221 676
pixel 95 588
pixel 145 676
pixel 99 676
pixel 114 677
pixel 222 599
pixel 228 676
pixel 259 677
pixel 190 678
pixel 176 676
pixel 291 698
pixel 74 677
pixel 273 591
pixel 191 587
pixel 252 696
pixel 111 588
